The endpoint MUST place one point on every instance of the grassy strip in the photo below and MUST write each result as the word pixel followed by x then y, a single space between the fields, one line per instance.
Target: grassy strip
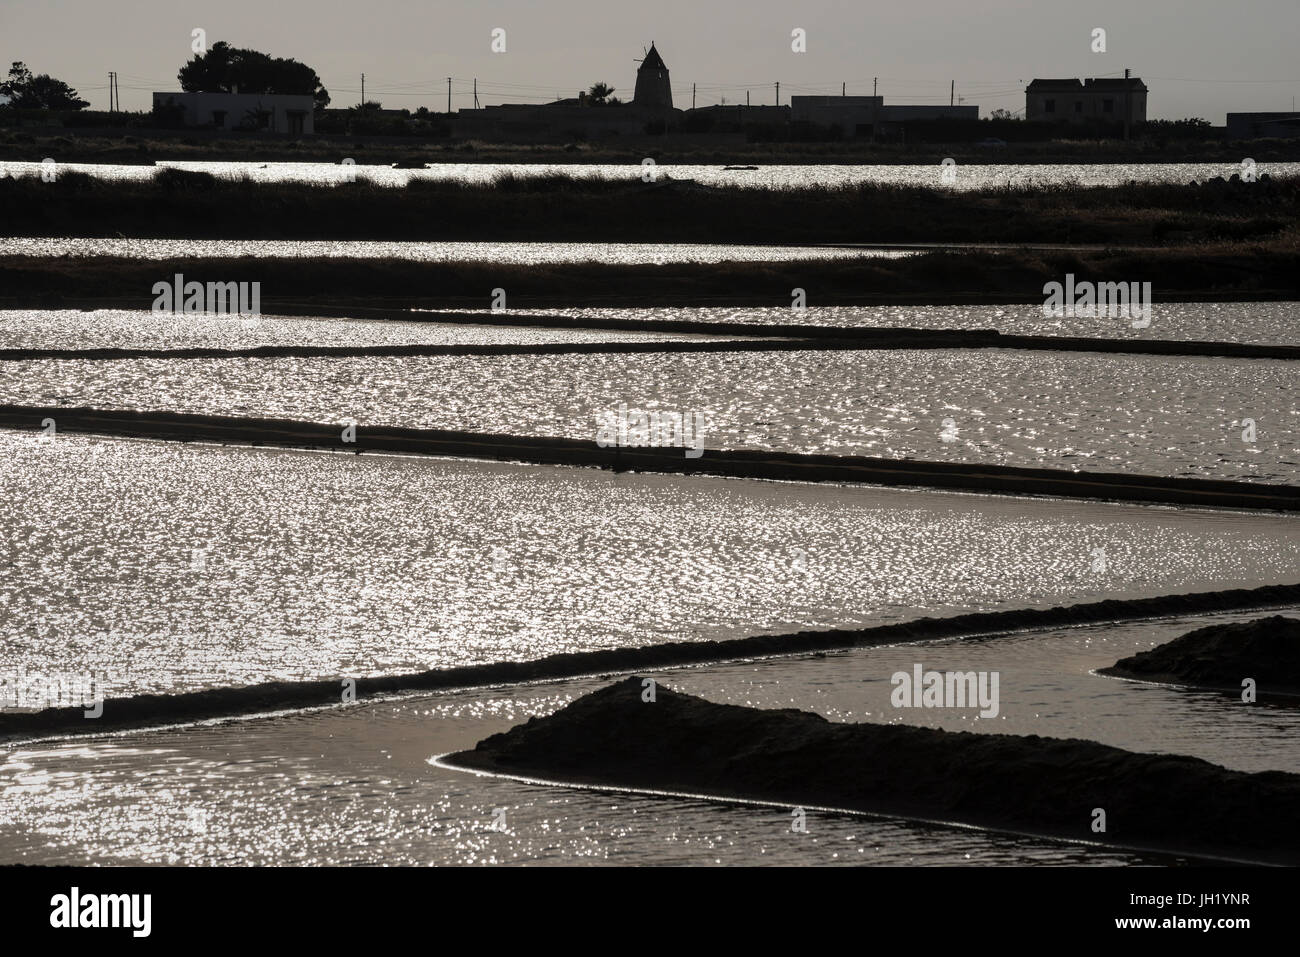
pixel 136 146
pixel 181 204
pixel 1199 273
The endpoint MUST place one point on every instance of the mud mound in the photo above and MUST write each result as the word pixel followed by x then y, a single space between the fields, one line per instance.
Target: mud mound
pixel 1036 785
pixel 1221 656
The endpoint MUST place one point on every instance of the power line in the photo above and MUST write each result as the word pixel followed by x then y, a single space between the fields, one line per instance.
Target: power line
pixel 1182 79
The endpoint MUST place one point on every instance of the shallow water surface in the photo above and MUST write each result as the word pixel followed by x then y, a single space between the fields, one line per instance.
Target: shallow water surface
pixel 968 176
pixel 170 567
pixel 354 785
pixel 143 329
pixel 502 253
pixel 1047 686
pixel 1270 322
pixel 1180 416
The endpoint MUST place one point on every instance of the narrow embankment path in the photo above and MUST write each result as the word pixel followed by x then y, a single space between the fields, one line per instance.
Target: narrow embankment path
pixel 161 709
pixel 731 463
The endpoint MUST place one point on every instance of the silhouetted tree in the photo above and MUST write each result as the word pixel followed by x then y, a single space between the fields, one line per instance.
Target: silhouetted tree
pixel 601 94
pixel 43 92
pixel 227 69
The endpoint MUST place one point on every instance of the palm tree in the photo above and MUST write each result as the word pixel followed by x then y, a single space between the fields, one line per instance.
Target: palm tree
pixel 599 94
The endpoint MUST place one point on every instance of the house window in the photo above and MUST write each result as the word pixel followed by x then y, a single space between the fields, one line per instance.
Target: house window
pixel 219 119
pixel 295 118
pixel 1108 106
pixel 1049 106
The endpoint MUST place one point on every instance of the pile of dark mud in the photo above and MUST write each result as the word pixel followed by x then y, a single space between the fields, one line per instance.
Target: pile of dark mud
pixel 1044 786
pixel 1266 650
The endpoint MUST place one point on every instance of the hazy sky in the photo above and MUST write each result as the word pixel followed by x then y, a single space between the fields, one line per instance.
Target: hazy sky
pixel 1199 57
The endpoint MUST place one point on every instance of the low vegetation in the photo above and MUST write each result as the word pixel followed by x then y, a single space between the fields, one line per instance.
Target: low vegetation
pixel 378 287
pixel 182 204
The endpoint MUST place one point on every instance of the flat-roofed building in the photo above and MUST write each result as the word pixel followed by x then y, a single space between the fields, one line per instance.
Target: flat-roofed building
pixel 1105 99
pixel 270 112
pixel 854 115
pixel 1253 126
pixel 868 115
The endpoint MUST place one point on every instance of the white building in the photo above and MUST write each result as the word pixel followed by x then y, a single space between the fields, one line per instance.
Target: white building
pixel 270 112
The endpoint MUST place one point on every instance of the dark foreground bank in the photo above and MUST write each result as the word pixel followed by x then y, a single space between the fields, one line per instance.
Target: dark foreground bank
pixel 1044 786
pixel 1221 657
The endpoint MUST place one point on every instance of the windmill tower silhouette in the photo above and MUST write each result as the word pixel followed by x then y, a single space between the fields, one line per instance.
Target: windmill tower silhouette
pixel 653 90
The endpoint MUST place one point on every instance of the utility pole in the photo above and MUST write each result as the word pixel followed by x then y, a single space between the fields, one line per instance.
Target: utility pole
pixel 363 91
pixel 952 93
pixel 874 81
pixel 476 93
pixel 746 98
pixel 448 96
pixel 110 91
pixel 692 96
pixel 843 88
pixel 778 92
pixel 1127 109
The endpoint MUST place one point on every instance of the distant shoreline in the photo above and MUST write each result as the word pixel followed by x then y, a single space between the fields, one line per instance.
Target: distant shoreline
pixel 144 146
